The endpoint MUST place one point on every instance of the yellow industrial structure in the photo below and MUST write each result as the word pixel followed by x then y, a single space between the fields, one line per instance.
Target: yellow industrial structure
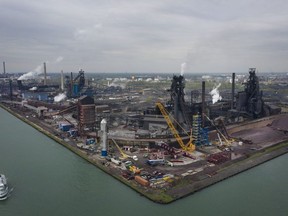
pixel 189 147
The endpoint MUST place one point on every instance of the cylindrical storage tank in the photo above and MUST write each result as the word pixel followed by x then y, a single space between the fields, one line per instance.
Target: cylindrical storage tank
pixel 75 89
pixel 103 126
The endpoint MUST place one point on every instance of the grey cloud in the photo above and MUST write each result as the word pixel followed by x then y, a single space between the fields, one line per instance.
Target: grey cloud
pixel 151 35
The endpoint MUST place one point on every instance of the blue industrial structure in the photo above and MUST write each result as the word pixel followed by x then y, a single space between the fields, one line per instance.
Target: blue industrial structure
pixel 199 134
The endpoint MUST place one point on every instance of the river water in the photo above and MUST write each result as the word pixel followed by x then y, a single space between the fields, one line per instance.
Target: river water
pixel 50 180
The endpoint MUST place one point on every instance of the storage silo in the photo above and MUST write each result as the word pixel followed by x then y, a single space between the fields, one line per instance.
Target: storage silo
pixel 104 137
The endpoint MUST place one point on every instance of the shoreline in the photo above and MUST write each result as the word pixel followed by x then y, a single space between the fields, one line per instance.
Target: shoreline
pixel 238 167
pixel 183 187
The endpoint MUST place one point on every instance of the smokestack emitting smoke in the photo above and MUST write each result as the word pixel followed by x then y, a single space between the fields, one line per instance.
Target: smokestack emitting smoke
pixel 183 68
pixel 215 94
pixel 45 75
pixel 32 74
pixel 4 68
pixel 38 70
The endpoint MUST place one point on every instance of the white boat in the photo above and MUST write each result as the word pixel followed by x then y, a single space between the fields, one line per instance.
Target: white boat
pixel 3 187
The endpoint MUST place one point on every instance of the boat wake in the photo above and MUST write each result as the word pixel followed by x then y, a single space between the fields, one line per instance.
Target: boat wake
pixel 10 192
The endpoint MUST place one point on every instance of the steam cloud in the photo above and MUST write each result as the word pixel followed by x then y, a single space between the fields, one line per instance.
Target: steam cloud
pixel 32 74
pixel 59 59
pixel 215 94
pixel 118 83
pixel 33 88
pixel 183 68
pixel 38 70
pixel 60 97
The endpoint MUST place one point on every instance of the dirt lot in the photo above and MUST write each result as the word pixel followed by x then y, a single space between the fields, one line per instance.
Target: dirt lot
pixel 266 135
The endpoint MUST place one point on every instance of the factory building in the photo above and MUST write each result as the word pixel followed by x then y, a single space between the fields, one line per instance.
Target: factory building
pixel 250 101
pixel 86 113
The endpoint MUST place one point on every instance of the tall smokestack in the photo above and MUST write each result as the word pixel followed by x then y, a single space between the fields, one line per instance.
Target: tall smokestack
pixel 103 126
pixel 4 68
pixel 45 75
pixel 71 84
pixel 203 103
pixel 62 81
pixel 233 90
pixel 11 90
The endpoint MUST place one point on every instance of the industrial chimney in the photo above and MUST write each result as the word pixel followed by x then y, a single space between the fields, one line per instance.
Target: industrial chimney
pixel 203 104
pixel 103 126
pixel 45 75
pixel 62 81
pixel 4 68
pixel 233 91
pixel 11 90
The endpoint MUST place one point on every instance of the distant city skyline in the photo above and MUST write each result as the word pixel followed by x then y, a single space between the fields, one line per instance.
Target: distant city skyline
pixel 144 36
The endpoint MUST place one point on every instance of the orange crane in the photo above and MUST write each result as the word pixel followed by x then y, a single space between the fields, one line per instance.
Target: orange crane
pixel 189 147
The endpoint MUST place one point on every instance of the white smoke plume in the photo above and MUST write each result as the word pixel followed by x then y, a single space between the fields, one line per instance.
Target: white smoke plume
pixel 215 94
pixel 119 83
pixel 38 70
pixel 60 97
pixel 183 68
pixel 33 88
pixel 59 59
pixel 56 61
pixel 32 74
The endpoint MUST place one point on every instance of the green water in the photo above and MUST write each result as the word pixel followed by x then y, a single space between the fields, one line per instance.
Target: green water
pixel 50 180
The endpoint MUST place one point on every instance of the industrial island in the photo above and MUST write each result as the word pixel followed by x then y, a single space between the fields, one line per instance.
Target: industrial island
pixel 166 138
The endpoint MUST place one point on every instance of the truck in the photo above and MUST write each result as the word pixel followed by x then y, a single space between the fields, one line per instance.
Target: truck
pixel 155 162
pixel 117 162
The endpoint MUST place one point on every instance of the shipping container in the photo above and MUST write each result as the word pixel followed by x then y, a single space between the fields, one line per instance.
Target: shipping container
pixel 65 126
pixel 141 181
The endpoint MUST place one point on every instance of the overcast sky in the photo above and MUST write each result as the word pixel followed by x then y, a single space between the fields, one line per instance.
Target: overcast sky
pixel 144 36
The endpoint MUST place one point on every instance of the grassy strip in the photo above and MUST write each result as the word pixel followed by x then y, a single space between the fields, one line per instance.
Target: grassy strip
pixel 257 154
pixel 161 197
